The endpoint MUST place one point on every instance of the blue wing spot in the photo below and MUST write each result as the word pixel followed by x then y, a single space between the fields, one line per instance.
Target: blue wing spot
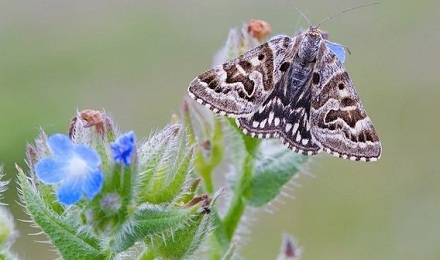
pixel 337 49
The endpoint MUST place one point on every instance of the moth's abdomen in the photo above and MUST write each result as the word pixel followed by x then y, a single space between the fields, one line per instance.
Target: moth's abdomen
pixel 298 76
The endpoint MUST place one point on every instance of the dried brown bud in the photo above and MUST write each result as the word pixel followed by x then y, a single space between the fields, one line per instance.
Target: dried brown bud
pixel 90 118
pixel 205 202
pixel 259 29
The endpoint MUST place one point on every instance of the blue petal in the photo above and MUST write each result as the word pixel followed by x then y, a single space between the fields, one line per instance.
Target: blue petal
pixel 69 192
pixel 50 171
pixel 123 148
pixel 337 49
pixel 89 155
pixel 60 145
pixel 92 185
pixel 127 159
pixel 131 137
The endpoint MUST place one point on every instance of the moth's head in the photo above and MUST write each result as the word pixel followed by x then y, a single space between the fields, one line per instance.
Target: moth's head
pixel 309 46
pixel 314 33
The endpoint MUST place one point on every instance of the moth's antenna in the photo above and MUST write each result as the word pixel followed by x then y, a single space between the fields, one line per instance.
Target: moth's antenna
pixel 343 11
pixel 302 14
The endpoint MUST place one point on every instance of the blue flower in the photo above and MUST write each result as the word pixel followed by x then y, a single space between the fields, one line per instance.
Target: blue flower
pixel 74 166
pixel 123 148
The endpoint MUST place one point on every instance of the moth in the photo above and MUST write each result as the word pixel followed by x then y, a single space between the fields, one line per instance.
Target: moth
pixel 295 89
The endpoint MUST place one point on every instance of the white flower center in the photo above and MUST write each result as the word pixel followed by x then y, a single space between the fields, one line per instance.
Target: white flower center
pixel 77 167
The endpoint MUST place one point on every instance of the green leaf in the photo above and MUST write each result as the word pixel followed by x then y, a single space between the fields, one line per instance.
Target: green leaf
pixel 184 241
pixel 63 234
pixel 276 167
pixel 177 173
pixel 251 144
pixel 231 252
pixel 148 220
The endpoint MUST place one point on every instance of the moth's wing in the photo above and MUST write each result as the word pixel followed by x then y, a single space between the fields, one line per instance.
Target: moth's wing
pixel 285 113
pixel 238 87
pixel 339 121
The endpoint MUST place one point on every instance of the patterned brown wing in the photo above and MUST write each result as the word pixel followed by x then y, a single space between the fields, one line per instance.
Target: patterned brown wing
pixel 339 121
pixel 238 87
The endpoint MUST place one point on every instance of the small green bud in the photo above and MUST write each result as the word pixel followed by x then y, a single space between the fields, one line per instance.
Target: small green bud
pixel 110 203
pixel 164 163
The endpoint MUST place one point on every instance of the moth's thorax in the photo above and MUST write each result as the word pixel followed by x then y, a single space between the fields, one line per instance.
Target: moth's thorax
pixel 309 45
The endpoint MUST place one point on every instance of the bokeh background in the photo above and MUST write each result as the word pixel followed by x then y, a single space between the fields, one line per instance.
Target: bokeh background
pixel 135 59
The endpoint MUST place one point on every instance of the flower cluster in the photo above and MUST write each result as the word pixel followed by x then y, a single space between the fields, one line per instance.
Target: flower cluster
pixel 120 206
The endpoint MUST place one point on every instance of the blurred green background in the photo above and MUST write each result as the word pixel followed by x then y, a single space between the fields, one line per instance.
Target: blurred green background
pixel 135 60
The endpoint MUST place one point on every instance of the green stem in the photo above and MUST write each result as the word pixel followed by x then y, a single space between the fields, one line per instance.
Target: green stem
pixel 220 233
pixel 237 206
pixel 125 182
pixel 205 171
pixel 208 183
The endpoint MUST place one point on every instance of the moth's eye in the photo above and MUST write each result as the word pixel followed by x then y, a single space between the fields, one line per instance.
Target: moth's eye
pixel 261 57
pixel 341 86
pixel 284 66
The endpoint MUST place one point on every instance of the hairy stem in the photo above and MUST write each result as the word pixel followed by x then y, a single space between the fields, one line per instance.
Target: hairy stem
pixel 237 206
